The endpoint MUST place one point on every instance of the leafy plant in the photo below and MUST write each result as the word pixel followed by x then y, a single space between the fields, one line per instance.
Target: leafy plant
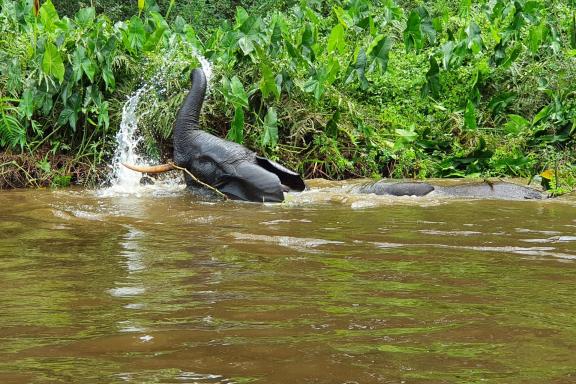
pixel 335 89
pixel 12 133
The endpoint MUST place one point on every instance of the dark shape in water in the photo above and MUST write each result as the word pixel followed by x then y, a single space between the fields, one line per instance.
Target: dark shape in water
pixel 483 190
pixel 397 189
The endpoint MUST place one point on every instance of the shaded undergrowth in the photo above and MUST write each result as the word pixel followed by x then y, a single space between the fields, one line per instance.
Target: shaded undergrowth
pixel 333 89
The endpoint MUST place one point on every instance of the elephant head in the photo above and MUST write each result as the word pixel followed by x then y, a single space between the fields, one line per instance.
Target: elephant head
pixel 229 167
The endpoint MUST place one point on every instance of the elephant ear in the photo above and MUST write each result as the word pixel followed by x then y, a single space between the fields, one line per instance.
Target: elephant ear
pixel 251 183
pixel 287 177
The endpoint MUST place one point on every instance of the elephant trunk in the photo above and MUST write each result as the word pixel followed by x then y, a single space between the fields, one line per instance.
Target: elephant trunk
pixel 189 115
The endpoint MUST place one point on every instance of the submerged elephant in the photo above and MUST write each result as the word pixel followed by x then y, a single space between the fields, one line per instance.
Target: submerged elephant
pixel 229 167
pixel 484 190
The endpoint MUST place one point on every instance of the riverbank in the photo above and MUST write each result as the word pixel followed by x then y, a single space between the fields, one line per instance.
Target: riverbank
pixel 21 172
pixel 331 89
pixel 42 169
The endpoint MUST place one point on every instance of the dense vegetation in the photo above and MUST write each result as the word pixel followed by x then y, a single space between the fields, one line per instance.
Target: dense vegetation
pixel 332 88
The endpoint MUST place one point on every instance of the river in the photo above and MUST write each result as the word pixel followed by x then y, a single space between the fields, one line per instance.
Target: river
pixel 157 287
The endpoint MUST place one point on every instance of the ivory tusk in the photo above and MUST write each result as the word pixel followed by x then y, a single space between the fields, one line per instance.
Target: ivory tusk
pixel 150 168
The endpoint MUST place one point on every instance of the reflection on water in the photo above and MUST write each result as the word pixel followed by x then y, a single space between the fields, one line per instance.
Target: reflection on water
pixel 326 288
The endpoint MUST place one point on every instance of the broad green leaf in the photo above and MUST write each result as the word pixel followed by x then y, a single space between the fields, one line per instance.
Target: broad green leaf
pixel 412 33
pixel 293 52
pixel 358 70
pixel 82 64
pixel 108 77
pixel 379 51
pixel 437 24
pixel 236 132
pixel 365 22
pixel 92 96
pixel 238 92
pixel 179 24
pixel 268 84
pixel 48 16
pixel 496 11
pixel 270 136
pixel 89 68
pixel 332 70
pixel 432 85
pixel 68 116
pixel 336 39
pixel 343 17
pixel 154 38
pixel 531 11
pixel 52 64
pixel 426 25
pixel 312 16
pixel 64 26
pixel 85 16
pixel 135 36
pixel 43 101
pixel 475 95
pixel 14 76
pixel 447 50
pixel 241 16
pixel 276 36
pixel 516 124
pixel 512 57
pixel 470 117
pixel 535 37
pixel 404 136
pixel 315 86
pixel 499 54
pixel 103 115
pixel 373 29
pixel 543 114
pixel 392 11
pixel 474 38
pixel 26 106
pixel 323 76
pixel 238 96
pixel 246 45
pixel 78 57
pixel 251 26
pixel 308 36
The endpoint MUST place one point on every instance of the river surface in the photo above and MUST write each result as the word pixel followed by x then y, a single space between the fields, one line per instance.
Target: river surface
pixel 157 287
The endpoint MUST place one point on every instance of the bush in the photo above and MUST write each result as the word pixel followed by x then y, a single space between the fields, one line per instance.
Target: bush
pixel 334 89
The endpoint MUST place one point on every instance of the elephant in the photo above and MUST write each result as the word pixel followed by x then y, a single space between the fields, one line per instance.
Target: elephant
pixel 230 168
pixel 483 190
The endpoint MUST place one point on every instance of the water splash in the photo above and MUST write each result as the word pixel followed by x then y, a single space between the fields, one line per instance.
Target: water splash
pixel 123 180
pixel 206 67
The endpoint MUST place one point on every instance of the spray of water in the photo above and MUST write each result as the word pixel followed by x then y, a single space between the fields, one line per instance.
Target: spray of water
pixel 123 180
pixel 128 141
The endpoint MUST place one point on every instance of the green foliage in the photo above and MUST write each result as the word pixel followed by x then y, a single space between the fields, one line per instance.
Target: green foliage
pixel 68 70
pixel 335 89
pixel 12 133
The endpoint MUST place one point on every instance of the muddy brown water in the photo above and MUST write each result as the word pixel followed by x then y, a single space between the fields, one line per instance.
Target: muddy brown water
pixel 327 288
